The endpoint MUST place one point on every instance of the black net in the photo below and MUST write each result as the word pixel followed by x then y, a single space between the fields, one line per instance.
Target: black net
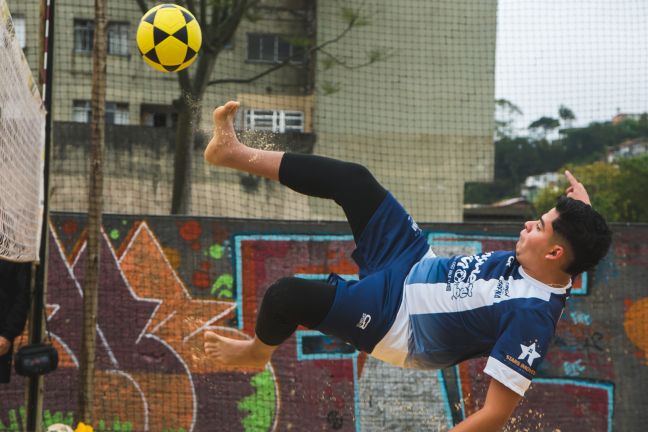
pixel 467 111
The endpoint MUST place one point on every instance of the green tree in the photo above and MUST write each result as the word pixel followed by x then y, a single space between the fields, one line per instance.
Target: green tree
pixel 600 180
pixel 642 124
pixel 633 184
pixel 566 115
pixel 506 113
pixel 219 20
pixel 617 191
pixel 518 157
pixel 586 145
pixel 540 128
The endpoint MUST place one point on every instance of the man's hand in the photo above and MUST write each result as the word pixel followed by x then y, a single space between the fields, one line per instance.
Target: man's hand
pixel 576 190
pixel 5 345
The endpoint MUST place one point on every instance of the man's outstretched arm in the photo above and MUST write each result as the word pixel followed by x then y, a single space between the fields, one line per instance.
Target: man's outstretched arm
pixel 498 407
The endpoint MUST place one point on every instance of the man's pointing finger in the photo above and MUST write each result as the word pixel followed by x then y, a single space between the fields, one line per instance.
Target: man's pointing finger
pixel 570 177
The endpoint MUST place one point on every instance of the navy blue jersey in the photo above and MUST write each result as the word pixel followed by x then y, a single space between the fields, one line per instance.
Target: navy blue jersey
pixel 414 309
pixel 456 308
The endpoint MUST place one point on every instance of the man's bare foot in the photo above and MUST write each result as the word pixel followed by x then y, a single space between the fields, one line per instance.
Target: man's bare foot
pixel 224 144
pixel 234 352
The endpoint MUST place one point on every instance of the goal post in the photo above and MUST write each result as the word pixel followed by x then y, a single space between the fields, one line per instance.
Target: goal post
pixel 22 143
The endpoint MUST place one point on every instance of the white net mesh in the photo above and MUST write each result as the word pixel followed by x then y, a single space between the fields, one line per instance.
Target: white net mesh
pixel 22 139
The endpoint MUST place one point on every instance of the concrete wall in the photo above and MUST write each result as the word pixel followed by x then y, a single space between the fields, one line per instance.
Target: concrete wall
pixel 165 281
pixel 139 166
pixel 422 118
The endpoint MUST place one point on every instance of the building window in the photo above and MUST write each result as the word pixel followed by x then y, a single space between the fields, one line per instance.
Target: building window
pixel 116 113
pixel 118 38
pixel 83 35
pixel 20 30
pixel 117 35
pixel 271 48
pixel 158 116
pixel 274 120
pixel 81 111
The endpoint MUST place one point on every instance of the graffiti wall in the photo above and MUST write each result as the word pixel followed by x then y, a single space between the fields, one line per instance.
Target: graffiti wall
pixel 167 280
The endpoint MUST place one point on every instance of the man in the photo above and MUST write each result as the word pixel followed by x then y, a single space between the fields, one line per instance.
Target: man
pixel 14 307
pixel 411 308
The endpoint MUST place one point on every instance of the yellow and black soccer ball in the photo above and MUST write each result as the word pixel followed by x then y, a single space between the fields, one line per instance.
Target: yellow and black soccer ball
pixel 169 37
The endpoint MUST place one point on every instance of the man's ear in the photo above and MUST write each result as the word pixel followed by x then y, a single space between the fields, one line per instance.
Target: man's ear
pixel 556 252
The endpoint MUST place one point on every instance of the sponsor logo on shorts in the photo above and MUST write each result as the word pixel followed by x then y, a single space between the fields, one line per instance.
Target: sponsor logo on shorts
pixel 415 226
pixel 364 321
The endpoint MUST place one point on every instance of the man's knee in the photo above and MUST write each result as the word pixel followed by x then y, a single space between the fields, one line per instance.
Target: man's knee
pixel 358 173
pixel 278 294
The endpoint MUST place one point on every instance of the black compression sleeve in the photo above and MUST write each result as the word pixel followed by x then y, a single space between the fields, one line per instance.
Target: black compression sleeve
pixel 349 184
pixel 291 302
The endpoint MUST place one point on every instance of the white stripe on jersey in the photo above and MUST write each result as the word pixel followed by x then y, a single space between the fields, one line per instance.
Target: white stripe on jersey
pixel 506 376
pixel 392 348
pixel 422 299
pixel 432 298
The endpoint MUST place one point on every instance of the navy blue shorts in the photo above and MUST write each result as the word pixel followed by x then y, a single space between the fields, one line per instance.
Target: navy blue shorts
pixel 363 311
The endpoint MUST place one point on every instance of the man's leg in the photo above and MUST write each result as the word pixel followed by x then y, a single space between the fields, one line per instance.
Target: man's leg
pixel 286 304
pixel 289 302
pixel 226 150
pixel 350 185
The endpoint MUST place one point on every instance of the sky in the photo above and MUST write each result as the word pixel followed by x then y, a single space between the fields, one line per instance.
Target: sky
pixel 589 55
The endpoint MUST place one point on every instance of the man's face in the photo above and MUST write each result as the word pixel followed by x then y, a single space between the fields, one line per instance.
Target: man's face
pixel 536 238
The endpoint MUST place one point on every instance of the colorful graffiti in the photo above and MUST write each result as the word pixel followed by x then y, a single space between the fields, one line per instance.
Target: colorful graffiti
pixel 165 281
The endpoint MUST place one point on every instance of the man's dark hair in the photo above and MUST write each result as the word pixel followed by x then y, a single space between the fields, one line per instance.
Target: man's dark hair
pixel 585 230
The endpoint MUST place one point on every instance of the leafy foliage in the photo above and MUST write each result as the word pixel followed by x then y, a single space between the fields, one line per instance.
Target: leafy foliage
pixel 565 113
pixel 517 157
pixel 617 191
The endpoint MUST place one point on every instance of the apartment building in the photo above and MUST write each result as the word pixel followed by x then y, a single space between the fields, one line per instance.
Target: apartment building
pixel 421 116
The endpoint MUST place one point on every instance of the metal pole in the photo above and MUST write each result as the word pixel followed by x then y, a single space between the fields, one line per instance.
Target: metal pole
pixel 34 396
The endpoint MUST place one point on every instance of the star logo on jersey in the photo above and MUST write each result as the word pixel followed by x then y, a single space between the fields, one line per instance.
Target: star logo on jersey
pixel 529 352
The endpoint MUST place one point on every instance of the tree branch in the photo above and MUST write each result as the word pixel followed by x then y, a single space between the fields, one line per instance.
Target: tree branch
pixel 251 79
pixel 191 6
pixel 220 17
pixel 278 66
pixel 228 21
pixel 337 38
pixel 374 57
pixel 224 23
pixel 185 81
pixel 142 5
pixel 203 14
